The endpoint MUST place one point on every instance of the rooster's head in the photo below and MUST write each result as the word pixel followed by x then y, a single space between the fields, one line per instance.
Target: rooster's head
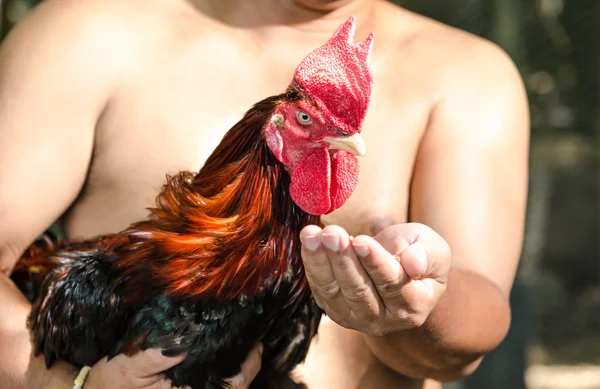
pixel 316 136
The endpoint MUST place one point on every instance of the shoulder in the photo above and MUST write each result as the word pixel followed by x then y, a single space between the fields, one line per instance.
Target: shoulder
pixel 473 84
pixel 133 13
pixel 448 55
pixel 113 32
pixel 471 66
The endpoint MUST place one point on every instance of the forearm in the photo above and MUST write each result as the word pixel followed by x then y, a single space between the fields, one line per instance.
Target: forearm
pixel 18 368
pixel 471 319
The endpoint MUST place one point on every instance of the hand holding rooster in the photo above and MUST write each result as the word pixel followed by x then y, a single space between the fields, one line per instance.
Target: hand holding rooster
pixel 376 285
pixel 143 370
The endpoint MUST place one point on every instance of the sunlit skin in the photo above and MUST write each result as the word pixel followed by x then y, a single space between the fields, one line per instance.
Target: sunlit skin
pixel 446 141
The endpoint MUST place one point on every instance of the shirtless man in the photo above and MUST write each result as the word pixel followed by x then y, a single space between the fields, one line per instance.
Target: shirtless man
pixel 100 98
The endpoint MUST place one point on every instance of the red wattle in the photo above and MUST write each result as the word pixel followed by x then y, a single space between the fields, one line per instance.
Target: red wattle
pixel 344 178
pixel 321 184
pixel 311 181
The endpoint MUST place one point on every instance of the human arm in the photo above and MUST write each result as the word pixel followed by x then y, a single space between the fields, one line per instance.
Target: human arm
pixel 469 185
pixel 49 105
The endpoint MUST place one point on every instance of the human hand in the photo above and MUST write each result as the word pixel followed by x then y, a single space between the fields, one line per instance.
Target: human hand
pixel 143 371
pixel 249 370
pixel 378 285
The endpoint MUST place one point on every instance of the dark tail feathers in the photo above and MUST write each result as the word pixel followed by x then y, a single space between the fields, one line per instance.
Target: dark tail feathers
pixel 35 264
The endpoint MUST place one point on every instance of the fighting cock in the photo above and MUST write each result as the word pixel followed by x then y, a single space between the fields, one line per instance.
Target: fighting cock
pixel 216 267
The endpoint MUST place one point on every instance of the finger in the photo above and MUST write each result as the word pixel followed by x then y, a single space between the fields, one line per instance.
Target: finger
pixel 122 365
pixel 423 263
pixel 430 256
pixel 316 263
pixel 355 284
pixel 323 284
pixel 249 369
pixel 151 362
pixel 437 254
pixel 414 260
pixel 383 269
pixel 406 296
pixel 162 384
pixel 405 299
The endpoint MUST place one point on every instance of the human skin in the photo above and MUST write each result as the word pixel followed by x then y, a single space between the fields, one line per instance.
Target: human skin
pixel 99 99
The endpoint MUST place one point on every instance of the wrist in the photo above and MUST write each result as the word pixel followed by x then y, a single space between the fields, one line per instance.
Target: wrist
pixel 92 381
pixel 37 376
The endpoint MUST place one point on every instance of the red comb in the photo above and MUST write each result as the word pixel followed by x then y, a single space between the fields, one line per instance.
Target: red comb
pixel 337 76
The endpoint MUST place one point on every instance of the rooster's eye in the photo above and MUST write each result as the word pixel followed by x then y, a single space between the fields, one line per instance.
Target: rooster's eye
pixel 303 117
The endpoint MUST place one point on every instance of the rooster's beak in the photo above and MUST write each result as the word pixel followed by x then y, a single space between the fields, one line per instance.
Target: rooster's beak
pixel 353 144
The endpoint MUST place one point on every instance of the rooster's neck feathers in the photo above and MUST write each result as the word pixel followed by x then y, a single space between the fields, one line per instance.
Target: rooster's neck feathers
pixel 228 231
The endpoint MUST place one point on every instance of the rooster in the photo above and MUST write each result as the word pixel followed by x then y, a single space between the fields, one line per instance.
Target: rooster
pixel 216 266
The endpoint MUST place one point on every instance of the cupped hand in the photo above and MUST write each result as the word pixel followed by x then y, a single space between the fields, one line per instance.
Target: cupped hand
pixel 143 371
pixel 376 285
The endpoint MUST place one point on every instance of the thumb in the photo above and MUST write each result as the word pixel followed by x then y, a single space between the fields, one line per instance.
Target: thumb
pixel 249 369
pixel 422 252
pixel 151 362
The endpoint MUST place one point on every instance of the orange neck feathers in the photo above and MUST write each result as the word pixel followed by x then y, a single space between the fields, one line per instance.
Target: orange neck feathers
pixel 227 232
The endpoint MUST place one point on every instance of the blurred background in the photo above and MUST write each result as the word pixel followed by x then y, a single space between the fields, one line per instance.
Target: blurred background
pixel 554 341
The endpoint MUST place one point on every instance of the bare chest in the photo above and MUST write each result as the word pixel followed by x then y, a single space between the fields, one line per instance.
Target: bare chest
pixel 171 115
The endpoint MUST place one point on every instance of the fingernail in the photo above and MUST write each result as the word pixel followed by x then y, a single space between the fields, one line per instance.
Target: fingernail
pixel 331 241
pixel 361 249
pixel 260 349
pixel 310 242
